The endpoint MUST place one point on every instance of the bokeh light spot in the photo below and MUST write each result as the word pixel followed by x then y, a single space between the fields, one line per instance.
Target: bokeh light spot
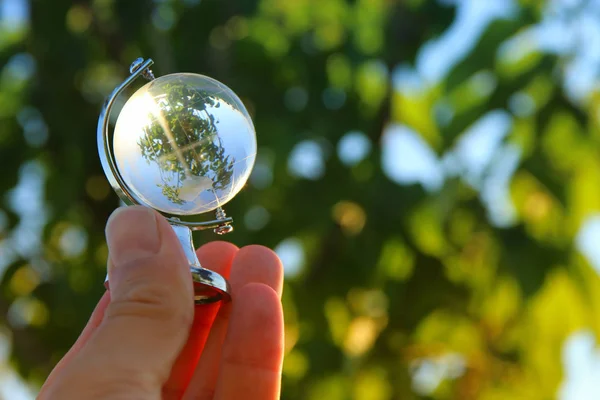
pixel 521 104
pixel 256 218
pixel 219 38
pixel 372 80
pixel 73 241
pixel 79 19
pixel 307 160
pixel 362 333
pixel 334 98
pixel 407 159
pixel 396 260
pixel 237 28
pixel 295 365
pixel 20 67
pixel 429 373
pixel 262 173
pixel 339 71
pixel 34 127
pixel 27 311
pixel 14 15
pixel 97 188
pixel 164 17
pixel 587 240
pixel 24 281
pixel 296 98
pixel 353 147
pixel 350 216
pixel 291 253
pixel 373 384
pixel 338 319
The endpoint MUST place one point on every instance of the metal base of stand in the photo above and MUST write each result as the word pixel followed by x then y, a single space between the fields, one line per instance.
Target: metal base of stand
pixel 209 287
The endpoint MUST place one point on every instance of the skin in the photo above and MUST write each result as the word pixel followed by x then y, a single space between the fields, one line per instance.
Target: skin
pixel 147 340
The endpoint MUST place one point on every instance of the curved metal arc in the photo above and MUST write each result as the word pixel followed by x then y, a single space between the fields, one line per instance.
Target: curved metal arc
pixel 106 156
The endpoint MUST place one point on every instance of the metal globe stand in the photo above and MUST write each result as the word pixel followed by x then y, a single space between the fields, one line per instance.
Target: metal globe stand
pixel 209 286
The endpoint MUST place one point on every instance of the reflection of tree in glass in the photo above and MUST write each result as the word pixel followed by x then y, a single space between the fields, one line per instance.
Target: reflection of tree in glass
pixel 183 140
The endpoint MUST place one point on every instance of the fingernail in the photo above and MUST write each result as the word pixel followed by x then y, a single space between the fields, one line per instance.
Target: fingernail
pixel 132 234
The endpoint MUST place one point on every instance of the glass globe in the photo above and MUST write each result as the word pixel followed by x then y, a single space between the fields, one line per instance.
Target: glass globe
pixel 184 144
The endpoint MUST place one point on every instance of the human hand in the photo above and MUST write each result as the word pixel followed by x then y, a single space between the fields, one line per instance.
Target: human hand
pixel 147 340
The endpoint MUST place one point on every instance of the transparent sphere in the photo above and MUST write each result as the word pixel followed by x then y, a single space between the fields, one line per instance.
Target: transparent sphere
pixel 184 144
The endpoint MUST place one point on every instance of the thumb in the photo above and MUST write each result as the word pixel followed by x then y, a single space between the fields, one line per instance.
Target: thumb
pixel 150 314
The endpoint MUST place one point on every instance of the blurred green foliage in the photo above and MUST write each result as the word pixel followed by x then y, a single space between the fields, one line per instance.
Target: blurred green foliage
pixel 403 291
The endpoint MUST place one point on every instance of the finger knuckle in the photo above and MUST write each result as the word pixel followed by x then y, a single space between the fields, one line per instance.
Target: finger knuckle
pixel 83 383
pixel 152 301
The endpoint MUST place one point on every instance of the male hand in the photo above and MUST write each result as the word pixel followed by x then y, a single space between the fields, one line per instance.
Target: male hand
pixel 147 340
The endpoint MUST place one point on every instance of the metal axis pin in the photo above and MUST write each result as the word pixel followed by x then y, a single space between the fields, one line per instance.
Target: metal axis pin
pixel 135 65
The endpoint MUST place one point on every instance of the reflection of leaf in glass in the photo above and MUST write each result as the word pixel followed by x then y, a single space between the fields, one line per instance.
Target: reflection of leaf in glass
pixel 183 140
pixel 171 193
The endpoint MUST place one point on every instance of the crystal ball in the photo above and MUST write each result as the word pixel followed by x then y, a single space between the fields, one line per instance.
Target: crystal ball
pixel 184 144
